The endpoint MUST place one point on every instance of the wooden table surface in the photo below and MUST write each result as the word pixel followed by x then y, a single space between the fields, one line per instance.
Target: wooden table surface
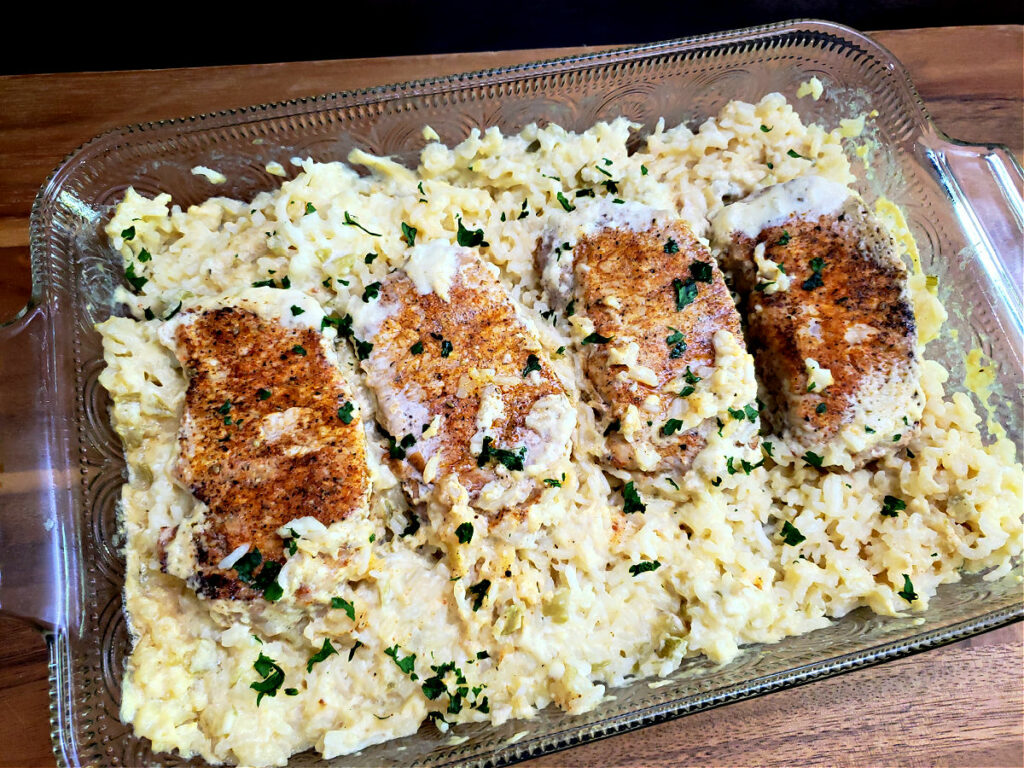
pixel 958 705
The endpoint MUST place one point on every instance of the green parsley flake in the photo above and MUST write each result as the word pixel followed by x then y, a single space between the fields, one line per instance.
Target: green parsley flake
pixel 372 291
pixel 794 154
pixel 263 394
pixel 300 350
pixel 550 482
pixel 813 459
pixel 671 426
pixel 297 310
pixel 417 348
pixel 345 605
pixel 272 678
pixel 369 258
pixel 671 246
pixel 351 221
pixel 136 281
pixel 446 348
pixel 907 593
pixel 479 592
pixel 532 364
pixel 464 533
pixel 791 536
pixel 765 129
pixel 643 170
pixel 820 408
pixel 565 203
pixel 643 567
pixel 631 501
pixel 686 292
pixel 470 238
pixel 784 240
pixel 310 208
pixel 407 665
pixel 892 506
pixel 701 272
pixel 345 413
pixel 511 460
pixel 128 234
pixel 596 338
pixel 363 349
pixel 144 256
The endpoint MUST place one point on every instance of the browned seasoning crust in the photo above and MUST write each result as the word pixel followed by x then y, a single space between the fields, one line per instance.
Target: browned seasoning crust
pixel 260 462
pixel 644 270
pixel 480 324
pixel 854 317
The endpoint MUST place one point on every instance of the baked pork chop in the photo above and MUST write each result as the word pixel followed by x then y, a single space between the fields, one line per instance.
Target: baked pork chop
pixel 464 389
pixel 829 315
pixel 657 322
pixel 270 433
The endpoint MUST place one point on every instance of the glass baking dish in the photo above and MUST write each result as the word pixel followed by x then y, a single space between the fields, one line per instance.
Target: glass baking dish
pixel 60 564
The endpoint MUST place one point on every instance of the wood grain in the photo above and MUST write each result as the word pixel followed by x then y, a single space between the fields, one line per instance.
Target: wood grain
pixel 959 705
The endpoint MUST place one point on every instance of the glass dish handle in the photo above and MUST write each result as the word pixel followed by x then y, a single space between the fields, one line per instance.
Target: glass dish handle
pixel 985 183
pixel 32 480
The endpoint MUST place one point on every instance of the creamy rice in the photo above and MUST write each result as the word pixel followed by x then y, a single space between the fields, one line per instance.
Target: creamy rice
pixel 564 617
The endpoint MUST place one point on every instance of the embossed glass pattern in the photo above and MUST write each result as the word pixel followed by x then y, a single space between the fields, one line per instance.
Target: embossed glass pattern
pixel 60 563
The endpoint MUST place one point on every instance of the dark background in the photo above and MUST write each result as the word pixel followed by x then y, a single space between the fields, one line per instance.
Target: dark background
pixel 197 34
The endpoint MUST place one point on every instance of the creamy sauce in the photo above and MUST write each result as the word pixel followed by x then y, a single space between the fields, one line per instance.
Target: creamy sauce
pixel 811 196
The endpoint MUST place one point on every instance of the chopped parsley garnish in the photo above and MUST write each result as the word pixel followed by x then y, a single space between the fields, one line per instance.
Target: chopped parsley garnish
pixel 716 482
pixel 686 292
pixel 671 426
pixel 354 648
pixel 701 271
pixel 729 465
pixel 907 593
pixel 345 605
pixel 631 501
pixel 407 665
pixel 820 408
pixel 483 655
pixel 676 342
pixel 291 691
pixel 128 234
pixel 565 203
pixel 596 338
pixel 351 221
pixel 532 364
pixel 760 287
pixel 794 154
pixel 446 348
pixel 560 351
pixel 813 459
pixel 720 425
pixel 892 506
pixel 263 394
pixel 784 240
pixel 420 188
pixel 613 426
pixel 687 391
pixel 372 291
pixel 585 193
pixel 265 284
pixel 297 310
pixel 300 350
pixel 768 449
pixel 310 208
pixel 869 430
pixel 411 527
pixel 479 592
pixel 524 212
pixel 224 408
pixel 552 483
pixel 643 170
pixel 791 534
pixel 611 187
pixel 570 308
pixel 643 567
pixel 911 454
pixel 292 543
pixel 144 256
pixel 285 282
pixel 815 280
pixel 397 448
pixel 345 413
pixel 470 238
pixel 896 438
pixel 671 246
pixel 369 258
pixel 417 348
pixel 765 129
pixel 619 201
pixel 748 467
pixel 363 349
pixel 434 687
pixel 464 533
pixel 272 677
pixel 511 460
pixel 136 281
pixel 672 483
